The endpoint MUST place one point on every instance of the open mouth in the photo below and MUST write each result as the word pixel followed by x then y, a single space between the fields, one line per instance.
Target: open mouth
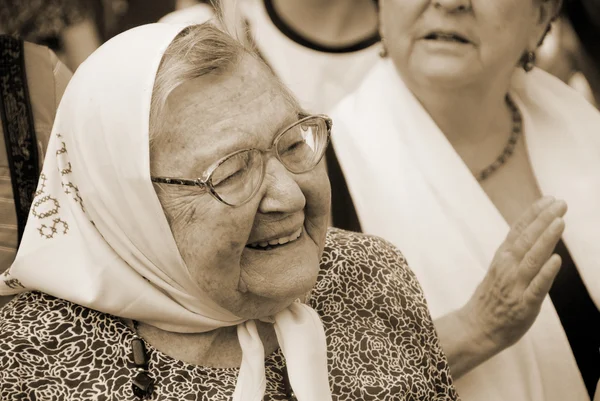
pixel 446 36
pixel 276 242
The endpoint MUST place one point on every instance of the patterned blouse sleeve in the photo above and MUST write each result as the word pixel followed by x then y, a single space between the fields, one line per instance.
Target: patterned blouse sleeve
pixel 377 281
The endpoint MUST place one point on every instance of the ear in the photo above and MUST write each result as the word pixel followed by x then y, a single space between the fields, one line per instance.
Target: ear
pixel 547 11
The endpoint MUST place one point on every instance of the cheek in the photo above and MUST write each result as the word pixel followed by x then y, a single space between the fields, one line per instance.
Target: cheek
pixel 506 28
pixel 317 190
pixel 399 21
pixel 211 242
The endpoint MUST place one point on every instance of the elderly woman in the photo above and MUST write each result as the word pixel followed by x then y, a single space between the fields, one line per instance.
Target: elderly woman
pixel 154 284
pixel 447 141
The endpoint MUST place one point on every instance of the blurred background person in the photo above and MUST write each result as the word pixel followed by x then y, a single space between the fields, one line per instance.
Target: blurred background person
pixel 584 18
pixel 321 49
pixel 121 15
pixel 450 138
pixel 571 51
pixel 33 81
pixel 68 27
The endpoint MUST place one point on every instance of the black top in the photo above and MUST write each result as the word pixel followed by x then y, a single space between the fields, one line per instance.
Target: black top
pixel 584 16
pixel 579 317
pixel 302 41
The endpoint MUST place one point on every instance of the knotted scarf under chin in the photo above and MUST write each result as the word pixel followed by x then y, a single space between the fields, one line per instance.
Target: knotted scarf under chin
pixel 302 340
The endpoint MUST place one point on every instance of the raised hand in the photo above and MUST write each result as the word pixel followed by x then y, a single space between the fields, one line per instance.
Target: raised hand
pixel 508 300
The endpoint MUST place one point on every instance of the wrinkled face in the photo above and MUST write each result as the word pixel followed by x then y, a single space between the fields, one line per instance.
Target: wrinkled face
pixel 209 118
pixel 461 42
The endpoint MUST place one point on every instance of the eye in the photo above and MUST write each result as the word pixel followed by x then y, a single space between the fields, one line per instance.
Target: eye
pixel 226 179
pixel 300 141
pixel 231 171
pixel 292 147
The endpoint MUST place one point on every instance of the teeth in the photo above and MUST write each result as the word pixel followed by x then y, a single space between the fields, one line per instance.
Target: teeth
pixel 277 241
pixel 446 36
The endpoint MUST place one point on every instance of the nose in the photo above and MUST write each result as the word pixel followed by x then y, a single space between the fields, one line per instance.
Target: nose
pixel 453 6
pixel 283 194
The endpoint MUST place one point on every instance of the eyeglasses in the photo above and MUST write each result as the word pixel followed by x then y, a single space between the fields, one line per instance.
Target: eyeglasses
pixel 235 178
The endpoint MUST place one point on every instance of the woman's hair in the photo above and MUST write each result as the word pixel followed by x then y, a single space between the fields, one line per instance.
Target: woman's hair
pixel 197 51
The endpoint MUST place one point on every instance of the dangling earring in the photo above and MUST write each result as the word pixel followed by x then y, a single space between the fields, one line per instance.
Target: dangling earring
pixel 383 53
pixel 528 61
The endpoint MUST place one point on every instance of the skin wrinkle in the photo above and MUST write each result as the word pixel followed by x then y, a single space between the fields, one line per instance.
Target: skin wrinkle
pixel 180 205
pixel 213 150
pixel 464 90
pixel 509 30
pixel 212 236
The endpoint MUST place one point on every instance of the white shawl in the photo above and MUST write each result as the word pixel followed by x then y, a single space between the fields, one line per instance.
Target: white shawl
pixel 96 234
pixel 410 187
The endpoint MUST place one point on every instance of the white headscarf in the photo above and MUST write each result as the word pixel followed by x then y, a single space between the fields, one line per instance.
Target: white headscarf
pixel 97 235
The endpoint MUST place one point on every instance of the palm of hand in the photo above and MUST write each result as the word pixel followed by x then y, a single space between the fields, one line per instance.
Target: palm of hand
pixel 508 300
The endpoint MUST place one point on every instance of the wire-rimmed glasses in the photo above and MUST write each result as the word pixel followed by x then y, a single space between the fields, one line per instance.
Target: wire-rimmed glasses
pixel 235 178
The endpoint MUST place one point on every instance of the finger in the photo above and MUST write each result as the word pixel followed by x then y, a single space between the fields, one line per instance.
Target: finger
pixel 541 251
pixel 541 284
pixel 523 244
pixel 528 217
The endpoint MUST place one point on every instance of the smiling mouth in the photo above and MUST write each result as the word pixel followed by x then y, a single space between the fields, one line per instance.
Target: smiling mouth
pixel 276 242
pixel 447 37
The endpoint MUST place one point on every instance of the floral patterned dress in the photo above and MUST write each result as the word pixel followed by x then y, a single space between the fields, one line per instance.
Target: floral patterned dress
pixel 381 341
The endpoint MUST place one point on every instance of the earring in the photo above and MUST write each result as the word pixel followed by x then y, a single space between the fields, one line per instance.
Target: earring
pixel 528 61
pixel 383 53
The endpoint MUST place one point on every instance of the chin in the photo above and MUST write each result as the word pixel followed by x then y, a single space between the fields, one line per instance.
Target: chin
pixel 449 72
pixel 291 284
pixel 444 79
pixel 265 298
pixel 257 307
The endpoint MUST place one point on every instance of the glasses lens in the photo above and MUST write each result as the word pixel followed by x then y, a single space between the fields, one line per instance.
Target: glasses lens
pixel 238 177
pixel 301 147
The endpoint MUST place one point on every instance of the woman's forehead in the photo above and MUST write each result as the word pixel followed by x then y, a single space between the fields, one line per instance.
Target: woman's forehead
pixel 213 115
pixel 249 91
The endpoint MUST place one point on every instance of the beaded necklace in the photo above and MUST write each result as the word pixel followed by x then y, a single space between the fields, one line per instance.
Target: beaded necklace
pixel 509 149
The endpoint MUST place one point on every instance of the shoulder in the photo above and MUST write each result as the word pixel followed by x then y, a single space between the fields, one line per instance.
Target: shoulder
pixel 349 113
pixel 50 340
pixel 47 78
pixel 27 310
pixel 35 317
pixel 356 246
pixel 38 316
pixel 351 258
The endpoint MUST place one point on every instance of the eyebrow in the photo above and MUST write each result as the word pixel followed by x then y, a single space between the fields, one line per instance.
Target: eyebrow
pixel 300 114
pixel 303 114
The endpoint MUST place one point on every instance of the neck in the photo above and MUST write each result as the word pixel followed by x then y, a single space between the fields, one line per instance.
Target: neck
pixel 475 120
pixel 467 114
pixel 219 348
pixel 336 23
